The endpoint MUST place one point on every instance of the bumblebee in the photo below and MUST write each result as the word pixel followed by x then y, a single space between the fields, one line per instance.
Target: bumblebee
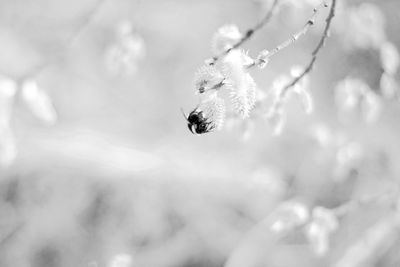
pixel 198 123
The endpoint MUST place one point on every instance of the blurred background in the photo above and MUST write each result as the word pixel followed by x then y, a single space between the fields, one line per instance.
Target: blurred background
pixel 98 168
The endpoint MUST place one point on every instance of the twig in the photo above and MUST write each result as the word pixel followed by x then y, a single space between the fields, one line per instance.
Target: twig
pixel 289 41
pixel 249 33
pixel 36 70
pixel 314 54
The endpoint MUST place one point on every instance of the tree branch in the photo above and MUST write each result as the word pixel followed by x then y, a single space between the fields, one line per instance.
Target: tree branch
pixel 315 52
pixel 249 33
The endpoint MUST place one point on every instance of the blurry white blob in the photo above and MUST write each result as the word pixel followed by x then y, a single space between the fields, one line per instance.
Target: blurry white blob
pixel 390 58
pixel 269 181
pixel 248 130
pixel 323 135
pixel 38 102
pixel 389 86
pixel 354 97
pixel 363 27
pixel 276 118
pixel 289 215
pixel 301 91
pixel 371 107
pixel 121 260
pixel 8 149
pixel 348 157
pixel 8 89
pixel 225 37
pixel 323 223
pixel 280 94
pixel 128 49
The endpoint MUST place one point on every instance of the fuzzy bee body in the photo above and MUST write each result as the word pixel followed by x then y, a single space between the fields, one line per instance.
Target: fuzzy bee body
pixel 198 123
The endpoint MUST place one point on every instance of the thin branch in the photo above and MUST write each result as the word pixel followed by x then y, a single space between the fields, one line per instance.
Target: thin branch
pixel 314 54
pixel 297 35
pixel 249 33
pixel 36 70
pixel 291 40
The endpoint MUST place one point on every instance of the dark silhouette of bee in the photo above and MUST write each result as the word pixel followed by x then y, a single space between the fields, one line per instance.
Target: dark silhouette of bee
pixel 198 123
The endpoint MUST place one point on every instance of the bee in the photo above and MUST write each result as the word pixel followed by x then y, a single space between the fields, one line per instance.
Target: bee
pixel 198 123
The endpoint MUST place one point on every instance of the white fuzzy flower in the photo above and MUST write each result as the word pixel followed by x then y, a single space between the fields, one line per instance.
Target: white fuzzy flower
pixel 214 110
pixel 243 89
pixel 225 38
pixel 243 97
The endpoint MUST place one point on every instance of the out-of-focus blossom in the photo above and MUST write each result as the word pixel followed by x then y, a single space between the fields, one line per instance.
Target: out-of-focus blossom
pixel 38 102
pixel 390 58
pixel 301 91
pixel 323 223
pixel 121 260
pixel 348 158
pixel 353 96
pixel 280 93
pixel 363 26
pixel 248 130
pixel 371 106
pixel 225 38
pixel 323 135
pixel 276 118
pixel 268 181
pixel 8 149
pixel 127 51
pixel 389 86
pixel 8 88
pixel 289 215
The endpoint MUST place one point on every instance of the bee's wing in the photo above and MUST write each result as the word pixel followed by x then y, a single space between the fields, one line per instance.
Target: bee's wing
pixel 184 115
